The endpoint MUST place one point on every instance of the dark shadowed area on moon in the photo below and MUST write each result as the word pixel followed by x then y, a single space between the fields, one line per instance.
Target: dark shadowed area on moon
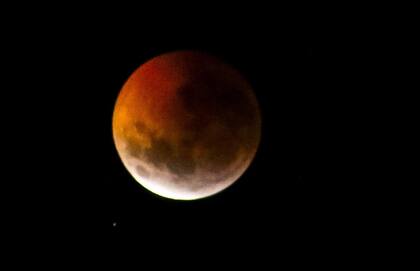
pixel 161 153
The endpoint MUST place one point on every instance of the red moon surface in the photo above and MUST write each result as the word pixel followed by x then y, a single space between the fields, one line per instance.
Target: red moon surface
pixel 186 125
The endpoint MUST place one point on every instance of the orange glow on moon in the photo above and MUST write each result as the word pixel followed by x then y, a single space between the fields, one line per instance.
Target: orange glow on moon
pixel 186 125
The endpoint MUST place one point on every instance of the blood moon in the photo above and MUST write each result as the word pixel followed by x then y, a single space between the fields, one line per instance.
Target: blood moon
pixel 186 125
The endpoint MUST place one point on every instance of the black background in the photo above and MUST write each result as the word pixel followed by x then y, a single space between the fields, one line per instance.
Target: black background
pixel 303 199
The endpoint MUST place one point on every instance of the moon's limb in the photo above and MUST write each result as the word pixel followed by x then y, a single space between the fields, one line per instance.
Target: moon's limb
pixel 186 126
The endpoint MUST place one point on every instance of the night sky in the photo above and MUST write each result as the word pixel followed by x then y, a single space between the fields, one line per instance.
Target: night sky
pixel 299 196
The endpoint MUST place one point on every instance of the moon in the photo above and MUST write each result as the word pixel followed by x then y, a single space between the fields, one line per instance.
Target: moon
pixel 186 125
